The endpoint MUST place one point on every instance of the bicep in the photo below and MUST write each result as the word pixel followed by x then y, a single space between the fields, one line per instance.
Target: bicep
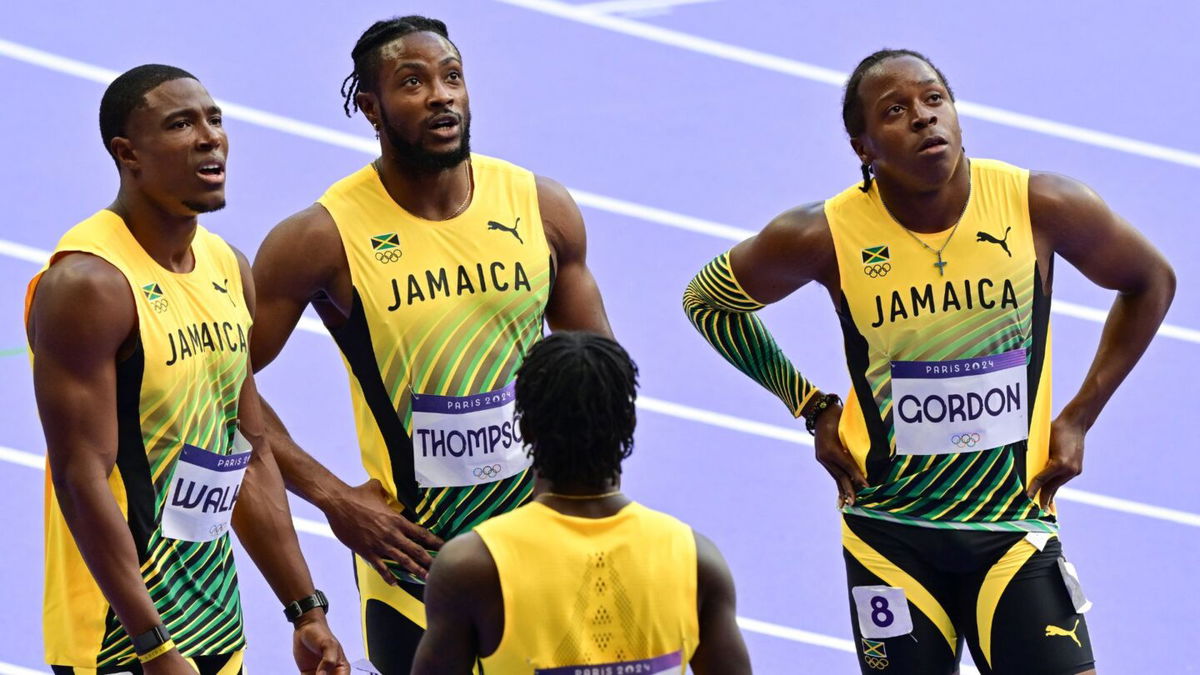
pixel 449 645
pixel 1081 227
pixel 575 302
pixel 792 250
pixel 721 648
pixel 292 265
pixel 81 324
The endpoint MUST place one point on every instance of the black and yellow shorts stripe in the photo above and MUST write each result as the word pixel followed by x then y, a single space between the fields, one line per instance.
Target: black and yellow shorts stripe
pixel 217 664
pixel 1003 593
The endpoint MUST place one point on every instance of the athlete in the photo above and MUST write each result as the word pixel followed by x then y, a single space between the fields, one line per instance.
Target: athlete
pixel 945 458
pixel 433 269
pixel 583 579
pixel 139 326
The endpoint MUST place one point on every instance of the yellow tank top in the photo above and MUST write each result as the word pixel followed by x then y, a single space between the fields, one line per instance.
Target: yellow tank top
pixel 950 365
pixel 443 315
pixel 180 386
pixel 615 591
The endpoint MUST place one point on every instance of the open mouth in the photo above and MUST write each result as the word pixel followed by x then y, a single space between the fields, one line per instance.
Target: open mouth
pixel 212 172
pixel 445 125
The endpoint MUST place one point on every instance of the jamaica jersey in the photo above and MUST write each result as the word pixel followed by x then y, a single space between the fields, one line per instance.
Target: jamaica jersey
pixel 949 413
pixel 593 595
pixel 443 314
pixel 180 386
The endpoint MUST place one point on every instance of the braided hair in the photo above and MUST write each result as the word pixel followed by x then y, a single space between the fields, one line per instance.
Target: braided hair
pixel 365 54
pixel 853 116
pixel 575 406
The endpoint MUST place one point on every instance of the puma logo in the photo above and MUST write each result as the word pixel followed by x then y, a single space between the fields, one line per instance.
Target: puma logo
pixel 224 290
pixel 984 236
pixel 493 225
pixel 1052 631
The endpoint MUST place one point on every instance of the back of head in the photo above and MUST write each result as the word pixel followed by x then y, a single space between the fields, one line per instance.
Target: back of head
pixel 127 92
pixel 366 52
pixel 576 395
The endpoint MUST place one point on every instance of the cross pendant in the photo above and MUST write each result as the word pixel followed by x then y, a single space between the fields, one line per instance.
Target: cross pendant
pixel 941 265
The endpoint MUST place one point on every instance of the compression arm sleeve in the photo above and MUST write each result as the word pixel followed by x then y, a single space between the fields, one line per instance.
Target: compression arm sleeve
pixel 724 314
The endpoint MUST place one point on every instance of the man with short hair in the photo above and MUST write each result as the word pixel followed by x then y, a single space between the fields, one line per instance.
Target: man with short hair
pixel 434 270
pixel 139 326
pixel 945 457
pixel 583 579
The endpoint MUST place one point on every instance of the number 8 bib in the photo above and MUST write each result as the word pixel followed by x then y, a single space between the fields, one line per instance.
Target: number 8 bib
pixel 882 611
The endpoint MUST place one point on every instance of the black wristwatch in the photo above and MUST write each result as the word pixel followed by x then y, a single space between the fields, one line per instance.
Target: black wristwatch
pixel 823 402
pixel 294 611
pixel 144 643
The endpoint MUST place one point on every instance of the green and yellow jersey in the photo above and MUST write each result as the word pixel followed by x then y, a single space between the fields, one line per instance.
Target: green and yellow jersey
pixel 179 388
pixel 443 314
pixel 949 414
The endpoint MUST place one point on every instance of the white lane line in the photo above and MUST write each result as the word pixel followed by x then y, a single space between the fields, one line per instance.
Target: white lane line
pixel 837 78
pixel 322 529
pixel 10 669
pixel 352 142
pixel 637 7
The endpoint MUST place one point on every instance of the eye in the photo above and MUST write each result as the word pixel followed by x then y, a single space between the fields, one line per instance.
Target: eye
pixel 215 121
pixel 411 81
pixel 896 109
pixel 180 124
pixel 935 98
pixel 454 76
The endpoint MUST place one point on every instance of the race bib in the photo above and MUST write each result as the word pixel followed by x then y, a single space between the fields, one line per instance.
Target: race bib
pixel 203 490
pixel 967 405
pixel 466 440
pixel 659 665
pixel 882 611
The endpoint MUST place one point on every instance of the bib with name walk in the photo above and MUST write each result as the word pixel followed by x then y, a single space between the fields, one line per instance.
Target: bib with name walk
pixel 949 413
pixel 179 461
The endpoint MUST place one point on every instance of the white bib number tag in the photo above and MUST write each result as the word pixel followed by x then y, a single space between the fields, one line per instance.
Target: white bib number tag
pixel 466 440
pixel 667 664
pixel 1074 589
pixel 203 490
pixel 968 405
pixel 882 611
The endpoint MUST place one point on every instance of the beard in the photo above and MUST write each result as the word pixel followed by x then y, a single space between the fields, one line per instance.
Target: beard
pixel 415 156
pixel 202 207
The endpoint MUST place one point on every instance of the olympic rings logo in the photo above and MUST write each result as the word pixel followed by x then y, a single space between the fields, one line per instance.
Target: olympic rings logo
pixel 390 256
pixel 875 662
pixel 877 270
pixel 965 440
pixel 486 471
pixel 159 306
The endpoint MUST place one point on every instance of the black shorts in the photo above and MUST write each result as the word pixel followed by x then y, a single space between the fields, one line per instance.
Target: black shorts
pixel 1006 596
pixel 221 664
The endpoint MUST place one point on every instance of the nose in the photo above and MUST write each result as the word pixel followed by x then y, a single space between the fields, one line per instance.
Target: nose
pixel 440 95
pixel 925 117
pixel 209 136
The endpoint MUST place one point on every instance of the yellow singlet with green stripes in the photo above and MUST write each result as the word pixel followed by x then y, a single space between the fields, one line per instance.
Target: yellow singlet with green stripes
pixel 950 363
pixel 179 387
pixel 443 314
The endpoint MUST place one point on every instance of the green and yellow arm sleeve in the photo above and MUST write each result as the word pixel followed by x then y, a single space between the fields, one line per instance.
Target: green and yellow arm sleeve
pixel 724 314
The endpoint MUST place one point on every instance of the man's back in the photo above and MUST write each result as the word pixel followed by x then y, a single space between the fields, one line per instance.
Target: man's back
pixel 590 591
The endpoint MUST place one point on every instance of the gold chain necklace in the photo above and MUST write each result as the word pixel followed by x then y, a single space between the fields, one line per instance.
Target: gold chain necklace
pixel 470 190
pixel 940 264
pixel 599 496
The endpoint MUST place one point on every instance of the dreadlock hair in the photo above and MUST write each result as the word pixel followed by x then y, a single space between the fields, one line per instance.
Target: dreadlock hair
pixel 853 116
pixel 365 54
pixel 127 92
pixel 575 407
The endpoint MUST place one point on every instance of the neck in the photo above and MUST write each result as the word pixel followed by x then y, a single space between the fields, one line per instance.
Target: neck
pixel 928 211
pixel 431 194
pixel 166 237
pixel 577 499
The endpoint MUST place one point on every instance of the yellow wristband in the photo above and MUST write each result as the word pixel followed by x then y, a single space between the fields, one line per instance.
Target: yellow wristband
pixel 157 651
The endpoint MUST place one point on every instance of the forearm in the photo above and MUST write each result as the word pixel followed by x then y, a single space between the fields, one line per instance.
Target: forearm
pixel 106 544
pixel 724 314
pixel 263 523
pixel 1131 325
pixel 302 474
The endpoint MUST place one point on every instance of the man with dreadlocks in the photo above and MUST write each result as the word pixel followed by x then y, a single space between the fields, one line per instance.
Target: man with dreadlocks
pixel 945 456
pixel 582 579
pixel 433 269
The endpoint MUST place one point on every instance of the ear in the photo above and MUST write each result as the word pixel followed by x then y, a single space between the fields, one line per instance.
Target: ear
pixel 122 150
pixel 368 105
pixel 860 149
